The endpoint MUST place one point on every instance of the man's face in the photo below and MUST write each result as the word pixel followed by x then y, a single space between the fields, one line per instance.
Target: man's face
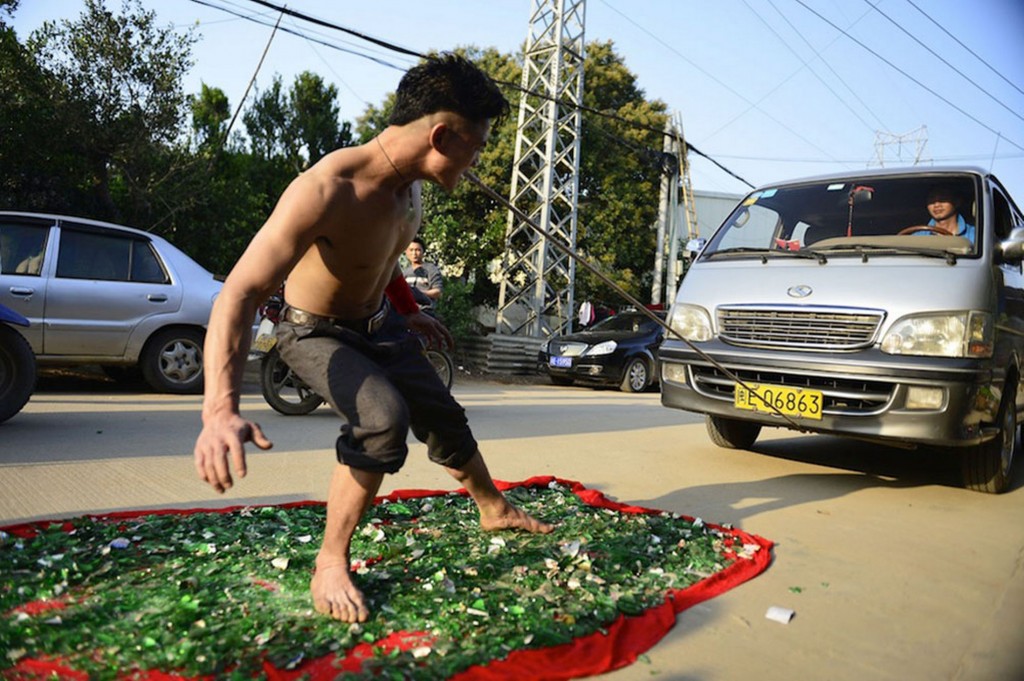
pixel 464 141
pixel 415 253
pixel 941 206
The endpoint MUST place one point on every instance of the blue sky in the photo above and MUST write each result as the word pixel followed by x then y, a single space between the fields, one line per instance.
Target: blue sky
pixel 772 89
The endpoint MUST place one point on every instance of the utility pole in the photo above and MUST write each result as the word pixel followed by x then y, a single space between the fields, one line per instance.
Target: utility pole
pixel 676 196
pixel 537 280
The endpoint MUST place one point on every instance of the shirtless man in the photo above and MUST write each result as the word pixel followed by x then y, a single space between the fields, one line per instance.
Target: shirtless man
pixel 336 234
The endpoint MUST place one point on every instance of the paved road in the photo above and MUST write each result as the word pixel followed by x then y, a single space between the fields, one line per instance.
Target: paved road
pixel 894 572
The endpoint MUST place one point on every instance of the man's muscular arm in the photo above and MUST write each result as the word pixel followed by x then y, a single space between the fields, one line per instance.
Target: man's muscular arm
pixel 272 253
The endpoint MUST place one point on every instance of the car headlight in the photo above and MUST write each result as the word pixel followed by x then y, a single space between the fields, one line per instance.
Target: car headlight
pixel 544 346
pixel 605 348
pixel 952 334
pixel 692 322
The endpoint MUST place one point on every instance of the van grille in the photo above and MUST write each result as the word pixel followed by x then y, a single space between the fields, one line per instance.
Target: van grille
pixel 850 396
pixel 799 328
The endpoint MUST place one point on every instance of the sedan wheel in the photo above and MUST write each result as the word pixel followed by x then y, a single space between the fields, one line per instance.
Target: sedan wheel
pixel 173 361
pixel 637 378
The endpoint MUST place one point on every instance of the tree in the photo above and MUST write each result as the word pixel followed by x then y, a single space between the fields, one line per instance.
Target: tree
pixel 314 117
pixel 210 115
pixel 620 173
pixel 299 126
pixel 40 171
pixel 120 99
pixel 619 180
pixel 266 122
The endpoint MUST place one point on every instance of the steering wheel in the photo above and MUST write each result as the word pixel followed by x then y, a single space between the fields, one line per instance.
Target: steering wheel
pixel 920 228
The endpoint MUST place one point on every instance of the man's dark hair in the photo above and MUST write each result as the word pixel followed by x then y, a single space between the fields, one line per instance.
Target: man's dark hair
pixel 448 82
pixel 947 191
pixel 419 240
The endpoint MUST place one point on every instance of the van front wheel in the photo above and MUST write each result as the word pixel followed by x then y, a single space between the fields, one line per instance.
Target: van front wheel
pixel 730 433
pixel 986 466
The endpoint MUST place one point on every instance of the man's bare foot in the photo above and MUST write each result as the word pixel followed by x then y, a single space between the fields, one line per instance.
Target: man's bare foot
pixel 335 594
pixel 509 517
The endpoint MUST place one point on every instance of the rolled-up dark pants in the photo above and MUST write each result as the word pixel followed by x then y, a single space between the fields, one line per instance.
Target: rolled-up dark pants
pixel 382 384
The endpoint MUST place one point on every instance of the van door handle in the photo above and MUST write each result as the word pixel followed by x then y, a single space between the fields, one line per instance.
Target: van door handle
pixel 21 291
pixel 156 298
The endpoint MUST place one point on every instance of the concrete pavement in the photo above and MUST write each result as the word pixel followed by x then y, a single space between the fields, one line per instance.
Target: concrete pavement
pixel 894 571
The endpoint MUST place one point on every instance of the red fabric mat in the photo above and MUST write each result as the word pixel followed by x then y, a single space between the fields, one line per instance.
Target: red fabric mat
pixel 624 640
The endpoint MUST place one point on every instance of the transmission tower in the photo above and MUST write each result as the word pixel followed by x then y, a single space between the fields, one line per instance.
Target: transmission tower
pixel 536 294
pixel 901 150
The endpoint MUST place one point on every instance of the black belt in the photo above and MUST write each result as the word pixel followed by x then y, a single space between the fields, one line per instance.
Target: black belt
pixel 370 324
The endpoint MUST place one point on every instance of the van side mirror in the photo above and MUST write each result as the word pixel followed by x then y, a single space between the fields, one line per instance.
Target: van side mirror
pixel 1012 249
pixel 694 247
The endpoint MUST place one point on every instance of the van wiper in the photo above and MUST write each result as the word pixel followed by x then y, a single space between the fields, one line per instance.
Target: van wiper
pixel 764 253
pixel 862 249
pixel 809 253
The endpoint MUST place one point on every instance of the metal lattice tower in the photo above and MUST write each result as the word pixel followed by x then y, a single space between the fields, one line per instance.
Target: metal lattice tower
pixel 905 149
pixel 536 294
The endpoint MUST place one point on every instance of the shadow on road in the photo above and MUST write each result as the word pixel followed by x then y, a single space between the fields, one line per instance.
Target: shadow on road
pixel 855 465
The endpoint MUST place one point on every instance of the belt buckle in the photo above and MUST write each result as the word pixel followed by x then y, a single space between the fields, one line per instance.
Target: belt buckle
pixel 374 323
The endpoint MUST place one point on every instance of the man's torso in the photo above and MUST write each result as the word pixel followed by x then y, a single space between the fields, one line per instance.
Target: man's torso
pixel 359 239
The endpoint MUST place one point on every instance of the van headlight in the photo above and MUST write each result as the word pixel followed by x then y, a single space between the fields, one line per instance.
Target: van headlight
pixel 952 334
pixel 605 348
pixel 692 322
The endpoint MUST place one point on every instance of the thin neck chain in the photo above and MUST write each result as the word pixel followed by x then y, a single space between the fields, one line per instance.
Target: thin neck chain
pixel 393 166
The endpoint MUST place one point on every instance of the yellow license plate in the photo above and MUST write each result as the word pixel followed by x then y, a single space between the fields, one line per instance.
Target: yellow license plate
pixel 772 399
pixel 264 343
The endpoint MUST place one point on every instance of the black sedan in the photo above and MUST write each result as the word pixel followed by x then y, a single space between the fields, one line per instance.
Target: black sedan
pixel 619 350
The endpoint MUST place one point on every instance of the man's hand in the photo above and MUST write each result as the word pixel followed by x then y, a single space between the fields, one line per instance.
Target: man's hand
pixel 435 332
pixel 220 439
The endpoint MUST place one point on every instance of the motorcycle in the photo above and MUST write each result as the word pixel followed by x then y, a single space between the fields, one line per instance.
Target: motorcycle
pixel 283 390
pixel 17 365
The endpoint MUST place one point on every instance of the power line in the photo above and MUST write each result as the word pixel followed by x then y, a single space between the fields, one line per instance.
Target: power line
pixel 298 34
pixel 943 60
pixel 804 65
pixel 706 73
pixel 824 61
pixel 327 24
pixel 961 44
pixel 407 51
pixel 908 76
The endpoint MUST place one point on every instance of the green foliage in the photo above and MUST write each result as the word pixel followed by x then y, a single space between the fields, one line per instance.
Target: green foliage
pixel 114 83
pixel 299 126
pixel 620 174
pixel 456 309
pixel 210 115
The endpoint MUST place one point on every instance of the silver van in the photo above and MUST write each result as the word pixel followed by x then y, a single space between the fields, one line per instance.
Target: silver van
pixel 885 305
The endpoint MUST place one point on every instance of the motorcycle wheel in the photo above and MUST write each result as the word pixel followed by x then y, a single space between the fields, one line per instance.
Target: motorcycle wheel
pixel 443 365
pixel 283 390
pixel 17 372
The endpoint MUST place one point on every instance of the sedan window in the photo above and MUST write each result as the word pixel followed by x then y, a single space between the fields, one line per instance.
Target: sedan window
pixel 84 255
pixel 21 248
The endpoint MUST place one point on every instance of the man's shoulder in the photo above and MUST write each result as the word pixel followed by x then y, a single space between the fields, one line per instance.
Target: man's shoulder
pixel 335 176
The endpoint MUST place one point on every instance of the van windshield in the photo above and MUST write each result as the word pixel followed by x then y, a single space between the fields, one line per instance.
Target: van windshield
pixel 887 215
